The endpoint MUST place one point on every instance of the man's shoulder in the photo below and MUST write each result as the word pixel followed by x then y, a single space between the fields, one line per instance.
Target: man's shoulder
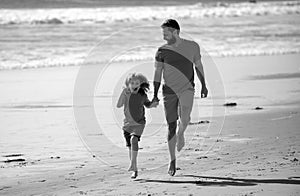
pixel 164 50
pixel 164 47
pixel 191 42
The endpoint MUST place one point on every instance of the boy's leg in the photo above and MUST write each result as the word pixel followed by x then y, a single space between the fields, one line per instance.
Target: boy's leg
pixel 127 136
pixel 129 150
pixel 137 131
pixel 185 104
pixel 134 152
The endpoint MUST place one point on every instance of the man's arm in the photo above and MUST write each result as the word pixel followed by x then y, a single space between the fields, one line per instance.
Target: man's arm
pixel 201 76
pixel 157 78
pixel 159 64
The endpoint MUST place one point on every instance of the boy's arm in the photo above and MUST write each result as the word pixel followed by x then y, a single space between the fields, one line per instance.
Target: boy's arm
pixel 121 100
pixel 147 102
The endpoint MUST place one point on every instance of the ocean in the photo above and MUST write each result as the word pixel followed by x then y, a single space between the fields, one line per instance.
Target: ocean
pixel 57 33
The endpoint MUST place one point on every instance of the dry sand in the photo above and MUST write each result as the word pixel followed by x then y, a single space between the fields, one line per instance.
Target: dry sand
pixel 256 152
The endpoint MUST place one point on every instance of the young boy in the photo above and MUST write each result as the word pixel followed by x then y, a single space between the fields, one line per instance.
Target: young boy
pixel 134 98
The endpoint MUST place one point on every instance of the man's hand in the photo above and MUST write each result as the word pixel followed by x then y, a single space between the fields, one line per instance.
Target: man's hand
pixel 153 105
pixel 154 102
pixel 204 92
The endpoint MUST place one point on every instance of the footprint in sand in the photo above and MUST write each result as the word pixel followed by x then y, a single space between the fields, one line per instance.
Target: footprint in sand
pixel 295 160
pixel 13 155
pixel 294 177
pixel 81 166
pixel 72 179
pixel 13 160
pixel 202 157
pixel 5 187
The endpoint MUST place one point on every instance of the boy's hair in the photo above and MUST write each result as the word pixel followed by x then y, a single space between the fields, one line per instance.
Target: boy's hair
pixel 144 86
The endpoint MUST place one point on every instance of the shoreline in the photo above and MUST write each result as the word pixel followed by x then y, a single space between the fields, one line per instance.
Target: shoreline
pixel 215 58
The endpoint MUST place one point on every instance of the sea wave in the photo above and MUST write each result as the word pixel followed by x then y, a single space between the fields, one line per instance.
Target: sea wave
pixel 83 59
pixel 144 13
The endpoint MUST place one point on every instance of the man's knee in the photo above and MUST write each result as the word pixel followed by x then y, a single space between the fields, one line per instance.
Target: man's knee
pixel 172 130
pixel 185 121
pixel 185 116
pixel 134 140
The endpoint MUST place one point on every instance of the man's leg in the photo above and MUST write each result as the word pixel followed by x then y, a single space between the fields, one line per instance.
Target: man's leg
pixel 185 105
pixel 171 144
pixel 171 111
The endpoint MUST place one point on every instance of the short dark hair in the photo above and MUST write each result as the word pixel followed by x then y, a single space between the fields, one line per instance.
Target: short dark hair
pixel 171 23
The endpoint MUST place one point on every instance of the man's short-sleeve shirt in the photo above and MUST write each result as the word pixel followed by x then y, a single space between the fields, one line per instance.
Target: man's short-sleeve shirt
pixel 177 64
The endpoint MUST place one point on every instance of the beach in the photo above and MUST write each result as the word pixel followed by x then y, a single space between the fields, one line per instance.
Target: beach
pixel 256 151
pixel 62 69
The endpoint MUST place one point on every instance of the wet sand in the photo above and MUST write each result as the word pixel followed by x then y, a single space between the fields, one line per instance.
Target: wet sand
pixel 256 151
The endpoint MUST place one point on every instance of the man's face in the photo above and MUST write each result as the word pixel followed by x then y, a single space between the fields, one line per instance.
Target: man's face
pixel 168 35
pixel 134 85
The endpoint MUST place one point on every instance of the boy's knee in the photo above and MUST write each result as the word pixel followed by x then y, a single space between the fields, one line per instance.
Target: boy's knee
pixel 134 143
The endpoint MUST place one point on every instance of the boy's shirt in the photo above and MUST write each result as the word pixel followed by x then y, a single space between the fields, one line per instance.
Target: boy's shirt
pixel 134 110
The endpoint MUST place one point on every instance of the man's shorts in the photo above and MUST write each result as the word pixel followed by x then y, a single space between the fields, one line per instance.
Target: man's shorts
pixel 133 130
pixel 174 104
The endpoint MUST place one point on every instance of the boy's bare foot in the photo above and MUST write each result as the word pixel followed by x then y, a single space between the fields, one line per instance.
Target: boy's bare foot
pixel 172 168
pixel 134 174
pixel 180 141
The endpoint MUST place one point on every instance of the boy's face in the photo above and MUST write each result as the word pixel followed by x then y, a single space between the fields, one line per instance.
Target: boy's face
pixel 134 85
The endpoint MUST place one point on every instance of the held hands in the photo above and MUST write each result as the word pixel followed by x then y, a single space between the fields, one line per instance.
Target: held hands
pixel 204 92
pixel 154 102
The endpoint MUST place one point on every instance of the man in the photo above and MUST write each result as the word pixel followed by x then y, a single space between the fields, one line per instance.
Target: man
pixel 175 61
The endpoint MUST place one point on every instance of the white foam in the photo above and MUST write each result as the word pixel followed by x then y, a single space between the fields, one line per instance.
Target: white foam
pixel 66 60
pixel 78 60
pixel 129 14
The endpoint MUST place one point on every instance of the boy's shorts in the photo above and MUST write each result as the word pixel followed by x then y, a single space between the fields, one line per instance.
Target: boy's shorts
pixel 134 130
pixel 174 103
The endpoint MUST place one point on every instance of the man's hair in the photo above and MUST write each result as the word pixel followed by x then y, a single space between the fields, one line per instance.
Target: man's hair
pixel 171 24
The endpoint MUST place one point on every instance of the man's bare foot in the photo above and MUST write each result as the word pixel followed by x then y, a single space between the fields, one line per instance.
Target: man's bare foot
pixel 180 141
pixel 172 168
pixel 132 168
pixel 134 174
